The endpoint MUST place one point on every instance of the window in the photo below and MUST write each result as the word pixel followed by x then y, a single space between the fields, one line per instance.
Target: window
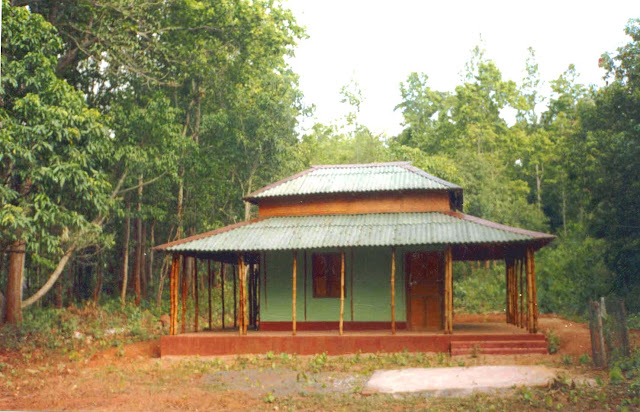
pixel 326 275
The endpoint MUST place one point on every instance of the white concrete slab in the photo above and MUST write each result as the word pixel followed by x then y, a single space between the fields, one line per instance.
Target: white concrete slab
pixel 458 381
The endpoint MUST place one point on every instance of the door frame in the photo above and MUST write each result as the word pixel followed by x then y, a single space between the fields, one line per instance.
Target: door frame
pixel 441 281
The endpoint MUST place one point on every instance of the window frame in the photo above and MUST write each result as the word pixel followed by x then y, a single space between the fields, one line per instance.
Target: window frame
pixel 334 258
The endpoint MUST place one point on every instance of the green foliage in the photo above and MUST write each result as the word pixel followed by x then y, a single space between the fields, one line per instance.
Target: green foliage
pixel 615 375
pixel 571 272
pixel 80 331
pixel 55 150
pixel 479 291
pixel 553 342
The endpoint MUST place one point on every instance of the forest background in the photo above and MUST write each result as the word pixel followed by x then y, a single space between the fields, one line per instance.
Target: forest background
pixel 130 123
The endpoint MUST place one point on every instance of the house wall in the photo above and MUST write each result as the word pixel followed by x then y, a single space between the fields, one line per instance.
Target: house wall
pixel 371 281
pixel 429 201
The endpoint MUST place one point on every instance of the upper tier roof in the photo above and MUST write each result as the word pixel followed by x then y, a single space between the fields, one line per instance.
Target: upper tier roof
pixel 355 178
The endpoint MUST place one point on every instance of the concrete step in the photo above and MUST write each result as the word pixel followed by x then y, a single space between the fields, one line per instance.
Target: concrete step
pixel 501 337
pixel 501 351
pixel 509 347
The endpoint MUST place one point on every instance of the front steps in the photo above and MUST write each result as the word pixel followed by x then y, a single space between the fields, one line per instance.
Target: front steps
pixel 502 345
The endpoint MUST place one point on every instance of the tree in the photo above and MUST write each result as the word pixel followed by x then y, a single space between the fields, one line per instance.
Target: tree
pixel 54 152
pixel 606 165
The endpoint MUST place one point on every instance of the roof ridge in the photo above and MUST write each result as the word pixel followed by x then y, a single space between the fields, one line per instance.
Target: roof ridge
pixel 424 174
pixel 355 165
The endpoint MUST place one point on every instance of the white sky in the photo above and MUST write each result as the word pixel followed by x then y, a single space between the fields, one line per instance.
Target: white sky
pixel 378 43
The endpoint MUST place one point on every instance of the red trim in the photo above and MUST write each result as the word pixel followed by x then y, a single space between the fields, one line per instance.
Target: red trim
pixel 230 343
pixel 328 326
pixel 207 234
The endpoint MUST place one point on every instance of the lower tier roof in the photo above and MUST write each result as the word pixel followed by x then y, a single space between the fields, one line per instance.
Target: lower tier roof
pixel 356 230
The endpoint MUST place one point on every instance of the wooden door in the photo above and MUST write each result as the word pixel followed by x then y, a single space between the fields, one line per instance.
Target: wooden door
pixel 425 290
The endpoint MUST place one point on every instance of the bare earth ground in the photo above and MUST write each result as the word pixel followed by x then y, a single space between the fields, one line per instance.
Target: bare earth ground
pixel 134 378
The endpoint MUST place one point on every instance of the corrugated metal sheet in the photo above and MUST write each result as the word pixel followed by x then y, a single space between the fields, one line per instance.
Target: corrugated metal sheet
pixel 387 229
pixel 354 179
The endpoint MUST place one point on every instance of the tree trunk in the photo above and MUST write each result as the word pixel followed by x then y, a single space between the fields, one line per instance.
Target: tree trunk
pixel 152 243
pixel 564 212
pixel 125 256
pixel 180 205
pixel 137 267
pixel 166 264
pixel 70 284
pixel 58 297
pixel 14 283
pixel 99 279
pixel 143 262
pixel 539 186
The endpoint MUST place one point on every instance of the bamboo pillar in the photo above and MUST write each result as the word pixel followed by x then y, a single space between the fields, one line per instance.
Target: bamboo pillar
pixel 184 293
pixel 507 291
pixel 522 292
pixel 448 289
pixel 264 261
pixel 304 276
pixel 222 291
pixel 240 290
pixel 351 285
pixel 173 313
pixel 514 299
pixel 531 291
pixel 235 297
pixel 196 301
pixel 245 300
pixel 512 291
pixel 250 290
pixel 293 292
pixel 342 292
pixel 393 290
pixel 209 284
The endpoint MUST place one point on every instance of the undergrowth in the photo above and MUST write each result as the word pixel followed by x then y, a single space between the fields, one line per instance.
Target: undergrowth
pixel 81 330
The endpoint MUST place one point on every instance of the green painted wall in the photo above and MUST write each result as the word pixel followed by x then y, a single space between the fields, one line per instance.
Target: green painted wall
pixel 371 283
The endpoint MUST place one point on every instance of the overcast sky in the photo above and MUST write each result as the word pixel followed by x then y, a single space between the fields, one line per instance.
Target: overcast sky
pixel 378 43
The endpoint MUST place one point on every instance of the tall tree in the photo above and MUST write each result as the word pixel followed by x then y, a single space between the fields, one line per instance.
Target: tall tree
pixel 54 152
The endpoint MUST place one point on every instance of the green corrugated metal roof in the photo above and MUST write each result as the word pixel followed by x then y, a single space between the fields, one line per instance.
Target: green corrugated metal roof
pixel 323 231
pixel 375 177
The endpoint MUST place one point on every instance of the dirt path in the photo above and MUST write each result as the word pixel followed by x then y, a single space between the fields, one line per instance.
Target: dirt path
pixel 135 378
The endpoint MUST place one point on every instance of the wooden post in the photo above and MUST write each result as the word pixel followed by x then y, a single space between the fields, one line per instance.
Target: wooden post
pixel 512 288
pixel 304 270
pixel 173 313
pixel 240 287
pixel 209 284
pixel 235 298
pixel 448 289
pixel 222 291
pixel 351 285
pixel 184 292
pixel 516 288
pixel 532 294
pixel 196 301
pixel 529 267
pixel 293 292
pixel 507 291
pixel 393 290
pixel 264 261
pixel 342 292
pixel 520 263
pixel 251 290
pixel 245 302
